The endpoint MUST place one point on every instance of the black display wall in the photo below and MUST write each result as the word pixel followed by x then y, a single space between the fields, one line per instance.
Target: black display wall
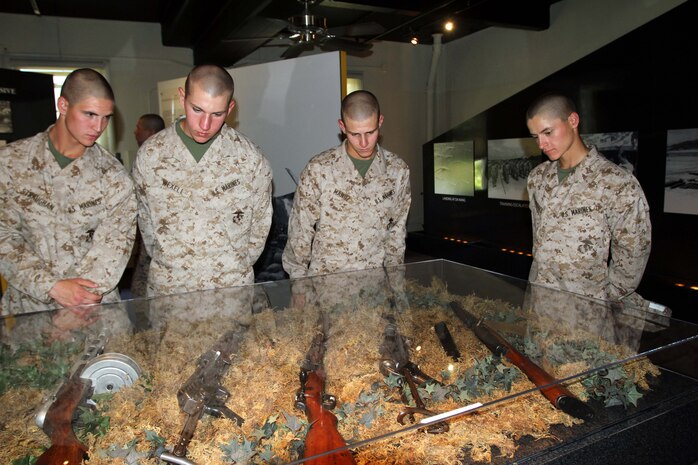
pixel 645 82
pixel 26 104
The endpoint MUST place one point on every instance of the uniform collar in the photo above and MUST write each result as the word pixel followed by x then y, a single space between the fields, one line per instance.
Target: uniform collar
pixel 378 161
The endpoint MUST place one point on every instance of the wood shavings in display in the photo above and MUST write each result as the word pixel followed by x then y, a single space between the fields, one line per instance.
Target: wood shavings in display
pixel 263 380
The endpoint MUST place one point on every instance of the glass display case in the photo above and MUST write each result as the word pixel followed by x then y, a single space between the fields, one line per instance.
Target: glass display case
pixel 427 363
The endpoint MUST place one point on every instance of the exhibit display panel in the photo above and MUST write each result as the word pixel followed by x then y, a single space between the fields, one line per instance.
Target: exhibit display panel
pixel 427 363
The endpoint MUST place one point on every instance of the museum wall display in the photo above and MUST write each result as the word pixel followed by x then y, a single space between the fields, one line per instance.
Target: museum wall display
pixel 26 104
pixel 638 113
pixel 428 363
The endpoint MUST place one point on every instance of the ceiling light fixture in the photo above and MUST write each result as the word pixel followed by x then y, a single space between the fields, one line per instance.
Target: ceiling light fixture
pixel 449 25
pixel 35 7
pixel 414 40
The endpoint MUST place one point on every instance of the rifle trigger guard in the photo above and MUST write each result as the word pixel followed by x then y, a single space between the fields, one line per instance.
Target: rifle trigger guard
pixel 389 366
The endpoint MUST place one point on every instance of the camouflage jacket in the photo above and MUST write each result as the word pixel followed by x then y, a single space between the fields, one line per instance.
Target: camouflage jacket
pixel 75 222
pixel 203 224
pixel 598 209
pixel 341 221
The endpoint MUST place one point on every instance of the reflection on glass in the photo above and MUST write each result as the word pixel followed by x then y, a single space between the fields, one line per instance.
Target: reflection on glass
pixel 373 337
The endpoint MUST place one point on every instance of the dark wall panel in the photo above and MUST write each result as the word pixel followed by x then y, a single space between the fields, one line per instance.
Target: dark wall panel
pixel 646 81
pixel 26 103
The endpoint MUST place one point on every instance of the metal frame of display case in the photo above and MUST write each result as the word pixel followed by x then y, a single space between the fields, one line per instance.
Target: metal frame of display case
pixel 278 321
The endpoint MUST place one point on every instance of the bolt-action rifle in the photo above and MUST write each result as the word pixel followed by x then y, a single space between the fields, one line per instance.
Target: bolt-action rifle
pixel 558 395
pixel 322 436
pixel 204 393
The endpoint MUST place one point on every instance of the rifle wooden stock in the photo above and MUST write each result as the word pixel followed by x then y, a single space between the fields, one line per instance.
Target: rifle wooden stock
pixel 65 448
pixel 557 394
pixel 185 437
pixel 322 435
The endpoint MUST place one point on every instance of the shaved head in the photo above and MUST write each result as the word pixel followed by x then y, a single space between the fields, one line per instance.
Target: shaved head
pixel 555 105
pixel 86 82
pixel 152 122
pixel 212 79
pixel 360 105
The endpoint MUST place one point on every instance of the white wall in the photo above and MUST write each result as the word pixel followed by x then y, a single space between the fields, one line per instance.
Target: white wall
pixel 131 52
pixel 397 74
pixel 287 107
pixel 483 69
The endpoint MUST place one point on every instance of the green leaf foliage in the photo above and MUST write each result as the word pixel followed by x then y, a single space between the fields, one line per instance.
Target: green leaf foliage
pixel 91 421
pixel 26 460
pixel 39 364
pixel 294 423
pixel 240 451
pixel 611 385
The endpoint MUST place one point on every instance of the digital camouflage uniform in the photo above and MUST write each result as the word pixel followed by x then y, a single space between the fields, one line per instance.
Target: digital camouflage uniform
pixel 203 224
pixel 341 221
pixel 599 208
pixel 75 222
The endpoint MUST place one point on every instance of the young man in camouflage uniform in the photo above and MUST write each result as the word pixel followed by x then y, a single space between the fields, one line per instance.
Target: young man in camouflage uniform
pixel 146 126
pixel 204 193
pixel 350 207
pixel 68 213
pixel 585 210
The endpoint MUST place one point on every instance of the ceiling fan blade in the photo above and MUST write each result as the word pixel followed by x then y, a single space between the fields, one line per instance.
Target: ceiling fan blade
pixel 356 30
pixel 347 45
pixel 258 28
pixel 296 49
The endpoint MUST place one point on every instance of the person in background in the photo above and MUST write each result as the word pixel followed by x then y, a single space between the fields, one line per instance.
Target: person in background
pixel 68 219
pixel 204 193
pixel 350 208
pixel 591 224
pixel 147 125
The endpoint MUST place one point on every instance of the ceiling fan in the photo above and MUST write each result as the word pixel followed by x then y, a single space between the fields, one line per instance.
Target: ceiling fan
pixel 306 31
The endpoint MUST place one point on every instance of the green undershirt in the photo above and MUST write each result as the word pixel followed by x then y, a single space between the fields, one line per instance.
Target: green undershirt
pixel 562 173
pixel 196 149
pixel 362 166
pixel 62 160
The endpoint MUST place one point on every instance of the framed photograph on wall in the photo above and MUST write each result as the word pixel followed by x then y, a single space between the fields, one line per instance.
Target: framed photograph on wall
pixel 508 163
pixel 5 117
pixel 681 175
pixel 454 169
pixel 619 147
